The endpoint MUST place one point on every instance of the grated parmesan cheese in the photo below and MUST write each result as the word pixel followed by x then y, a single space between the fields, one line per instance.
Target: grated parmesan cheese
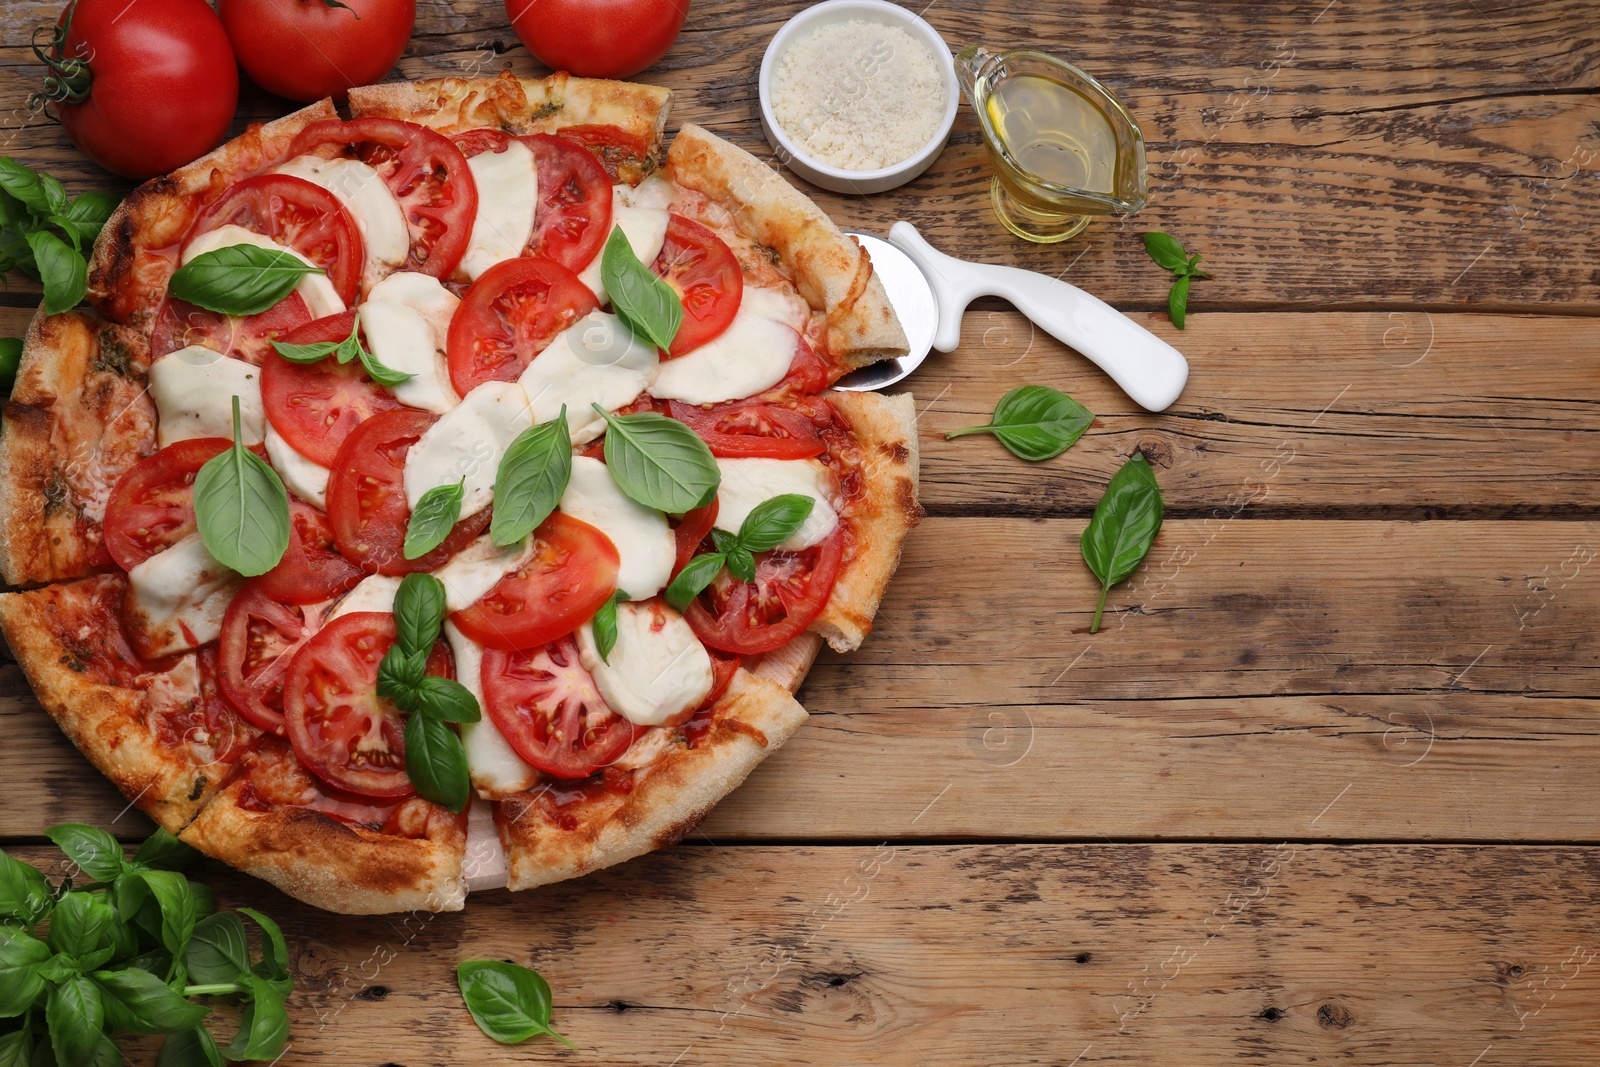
pixel 859 95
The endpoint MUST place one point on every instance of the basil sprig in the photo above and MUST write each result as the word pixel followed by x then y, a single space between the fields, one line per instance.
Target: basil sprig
pixel 344 351
pixel 10 362
pixel 242 508
pixel 433 518
pixel 35 215
pixel 239 279
pixel 509 1003
pixel 647 304
pixel 532 476
pixel 126 953
pixel 436 761
pixel 1170 254
pixel 1125 523
pixel 1034 422
pixel 659 462
pixel 605 625
pixel 768 525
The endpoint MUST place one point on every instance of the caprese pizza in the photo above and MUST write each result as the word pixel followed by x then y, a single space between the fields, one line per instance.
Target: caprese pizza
pixel 451 495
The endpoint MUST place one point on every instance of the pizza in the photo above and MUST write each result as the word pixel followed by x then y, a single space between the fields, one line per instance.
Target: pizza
pixel 457 229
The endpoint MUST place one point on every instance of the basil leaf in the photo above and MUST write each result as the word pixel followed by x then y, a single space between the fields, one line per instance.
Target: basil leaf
pixel 1190 269
pixel 695 576
pixel 163 851
pixel 380 373
pixel 24 893
pixel 433 518
pixel 1178 301
pixel 1034 422
pixel 62 271
pixel 419 610
pixel 180 908
pixel 242 508
pixel 274 963
pixel 55 194
pixel 303 354
pixel 218 951
pixel 532 476
pixel 190 1048
pixel 96 852
pixel 509 1003
pixel 447 700
pixel 725 541
pixel 81 924
pixel 436 762
pixel 1165 250
pixel 741 564
pixel 646 303
pixel 1125 524
pixel 139 1002
pixel 264 1025
pixel 21 955
pixel 74 1016
pixel 659 462
pixel 399 675
pixel 16 1048
pixel 24 184
pixel 604 624
pixel 771 522
pixel 10 362
pixel 239 279
pixel 86 215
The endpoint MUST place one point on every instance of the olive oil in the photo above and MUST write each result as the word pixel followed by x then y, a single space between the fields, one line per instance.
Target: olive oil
pixel 1054 132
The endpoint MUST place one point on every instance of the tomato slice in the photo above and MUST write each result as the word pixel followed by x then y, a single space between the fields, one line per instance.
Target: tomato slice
pixel 808 373
pixel 312 567
pixel 367 505
pixel 723 667
pixel 296 213
pixel 573 217
pixel 613 146
pixel 260 635
pixel 476 142
pixel 153 504
pixel 701 267
pixel 340 727
pixel 179 325
pixel 316 405
pixel 425 172
pixel 206 718
pixel 571 571
pixel 690 530
pixel 790 591
pixel 751 428
pixel 509 315
pixel 548 708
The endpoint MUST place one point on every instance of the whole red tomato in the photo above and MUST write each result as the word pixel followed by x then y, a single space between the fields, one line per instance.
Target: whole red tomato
pixel 308 49
pixel 142 86
pixel 597 38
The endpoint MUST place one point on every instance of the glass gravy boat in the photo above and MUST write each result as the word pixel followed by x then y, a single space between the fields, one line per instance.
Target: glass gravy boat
pixel 1040 114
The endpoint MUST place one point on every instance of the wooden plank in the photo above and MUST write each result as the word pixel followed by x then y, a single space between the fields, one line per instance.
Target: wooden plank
pixel 1381 154
pixel 1417 670
pixel 1016 954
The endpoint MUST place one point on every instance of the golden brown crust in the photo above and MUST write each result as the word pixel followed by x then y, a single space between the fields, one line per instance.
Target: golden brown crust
pixel 886 428
pixel 132 258
pixel 78 418
pixel 829 268
pixel 789 665
pixel 749 722
pixel 328 863
pixel 58 636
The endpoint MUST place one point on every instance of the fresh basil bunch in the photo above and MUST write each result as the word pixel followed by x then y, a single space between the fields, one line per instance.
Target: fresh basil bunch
pixel 35 216
pixel 124 954
pixel 768 525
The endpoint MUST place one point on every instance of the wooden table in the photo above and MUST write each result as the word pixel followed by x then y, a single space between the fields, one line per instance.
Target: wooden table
pixel 1324 789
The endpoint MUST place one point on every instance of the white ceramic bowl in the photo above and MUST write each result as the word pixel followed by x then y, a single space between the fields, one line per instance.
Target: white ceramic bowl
pixel 856 181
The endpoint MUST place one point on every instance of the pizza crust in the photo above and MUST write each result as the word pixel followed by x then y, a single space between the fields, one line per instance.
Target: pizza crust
pixel 750 721
pixel 886 427
pixel 829 267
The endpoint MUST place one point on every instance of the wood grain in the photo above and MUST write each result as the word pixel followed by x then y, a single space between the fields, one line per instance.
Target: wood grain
pixel 1438 673
pixel 1015 954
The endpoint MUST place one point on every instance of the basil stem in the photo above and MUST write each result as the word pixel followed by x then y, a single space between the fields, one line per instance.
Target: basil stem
pixel 242 508
pixel 1124 525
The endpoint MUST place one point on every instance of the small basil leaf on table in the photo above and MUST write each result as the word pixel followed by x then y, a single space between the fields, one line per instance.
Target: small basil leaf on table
pixel 190 1048
pixel 239 279
pixel 139 1002
pixel 96 852
pixel 1125 524
pixel 447 700
pixel 433 518
pixel 436 762
pixel 62 271
pixel 605 625
pixel 73 1014
pixel 695 576
pixel 1165 250
pixel 509 1003
pixel 1034 422
pixel 242 508
pixel 659 462
pixel 647 304
pixel 1170 254
pixel 532 476
pixel 771 522
pixel 419 611
pixel 1178 301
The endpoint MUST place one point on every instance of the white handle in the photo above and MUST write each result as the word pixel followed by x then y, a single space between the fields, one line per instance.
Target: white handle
pixel 1148 369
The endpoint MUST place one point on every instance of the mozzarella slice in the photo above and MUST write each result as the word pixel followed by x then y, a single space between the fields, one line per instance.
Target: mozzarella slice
pixel 193 389
pixel 751 356
pixel 644 541
pixel 478 568
pixel 641 214
pixel 306 478
pixel 178 596
pixel 496 768
pixel 749 482
pixel 423 292
pixel 595 361
pixel 366 196
pixel 315 289
pixel 375 592
pixel 658 669
pixel 467 443
pixel 406 319
pixel 508 190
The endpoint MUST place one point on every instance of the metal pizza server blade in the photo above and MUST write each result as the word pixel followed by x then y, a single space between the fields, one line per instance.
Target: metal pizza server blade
pixel 913 301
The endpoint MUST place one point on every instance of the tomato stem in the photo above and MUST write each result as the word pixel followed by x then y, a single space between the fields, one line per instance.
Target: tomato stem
pixel 70 77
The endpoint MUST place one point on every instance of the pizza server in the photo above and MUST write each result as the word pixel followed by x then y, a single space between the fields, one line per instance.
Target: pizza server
pixel 930 291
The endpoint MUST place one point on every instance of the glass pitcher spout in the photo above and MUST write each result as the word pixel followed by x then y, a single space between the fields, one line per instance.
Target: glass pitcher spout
pixel 969 68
